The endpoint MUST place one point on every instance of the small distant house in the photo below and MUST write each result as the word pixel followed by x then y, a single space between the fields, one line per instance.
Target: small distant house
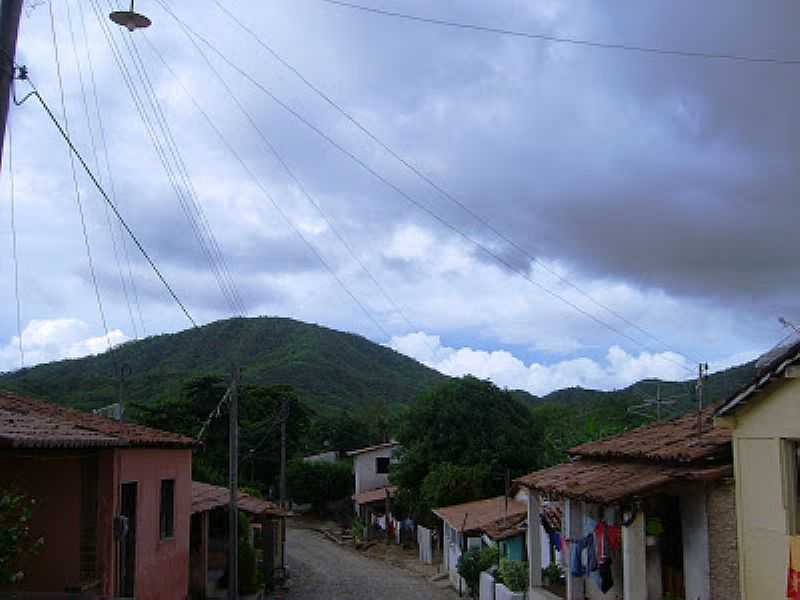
pixel 764 419
pixel 647 515
pixel 464 527
pixel 371 466
pixel 209 537
pixel 113 501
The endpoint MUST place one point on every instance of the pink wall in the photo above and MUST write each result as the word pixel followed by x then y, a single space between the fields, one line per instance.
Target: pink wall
pixel 162 566
pixel 52 478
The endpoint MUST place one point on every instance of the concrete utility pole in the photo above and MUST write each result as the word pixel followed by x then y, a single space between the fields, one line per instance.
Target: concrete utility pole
pixel 233 471
pixel 10 11
pixel 283 418
pixel 702 369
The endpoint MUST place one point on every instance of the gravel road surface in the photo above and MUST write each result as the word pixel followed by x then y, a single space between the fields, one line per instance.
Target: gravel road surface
pixel 322 570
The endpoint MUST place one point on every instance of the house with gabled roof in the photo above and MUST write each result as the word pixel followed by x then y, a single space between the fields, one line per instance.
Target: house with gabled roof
pixel 763 418
pixel 646 514
pixel 112 501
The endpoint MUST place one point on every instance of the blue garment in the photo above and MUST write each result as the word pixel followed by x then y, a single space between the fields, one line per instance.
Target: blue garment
pixel 577 567
pixel 555 540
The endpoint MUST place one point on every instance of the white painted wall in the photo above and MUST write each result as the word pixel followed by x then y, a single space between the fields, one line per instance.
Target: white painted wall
pixel 365 472
pixel 694 532
pixel 486 587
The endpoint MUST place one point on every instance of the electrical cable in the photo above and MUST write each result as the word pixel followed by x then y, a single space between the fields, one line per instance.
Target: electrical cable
pixel 426 179
pixel 35 93
pixel 14 239
pixel 95 154
pixel 104 145
pixel 272 200
pixel 565 40
pixel 479 245
pixel 75 178
pixel 273 149
pixel 162 149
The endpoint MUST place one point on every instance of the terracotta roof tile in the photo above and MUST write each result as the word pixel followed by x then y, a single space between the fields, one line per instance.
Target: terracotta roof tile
pixel 503 529
pixel 474 516
pixel 611 481
pixel 378 495
pixel 371 448
pixel 206 496
pixel 665 441
pixel 29 423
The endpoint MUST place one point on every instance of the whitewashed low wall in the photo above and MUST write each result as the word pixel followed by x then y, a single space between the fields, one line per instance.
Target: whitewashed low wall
pixel 501 592
pixel 487 587
pixel 425 545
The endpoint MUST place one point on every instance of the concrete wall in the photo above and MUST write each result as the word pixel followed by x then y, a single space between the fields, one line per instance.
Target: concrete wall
pixel 723 556
pixel 162 566
pixel 486 587
pixel 53 480
pixel 762 517
pixel 364 469
pixel 694 535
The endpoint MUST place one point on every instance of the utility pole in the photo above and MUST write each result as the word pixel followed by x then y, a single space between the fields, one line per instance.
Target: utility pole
pixel 282 483
pixel 10 11
pixel 233 471
pixel 658 402
pixel 702 369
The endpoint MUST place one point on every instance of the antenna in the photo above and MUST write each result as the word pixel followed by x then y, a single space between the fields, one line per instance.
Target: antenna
pixel 789 324
pixel 130 19
pixel 702 372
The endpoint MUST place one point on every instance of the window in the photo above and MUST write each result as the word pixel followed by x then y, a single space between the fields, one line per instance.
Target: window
pixel 382 465
pixel 167 512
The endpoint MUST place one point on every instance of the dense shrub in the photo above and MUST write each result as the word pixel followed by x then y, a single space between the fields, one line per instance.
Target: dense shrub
pixel 473 562
pixel 316 483
pixel 513 574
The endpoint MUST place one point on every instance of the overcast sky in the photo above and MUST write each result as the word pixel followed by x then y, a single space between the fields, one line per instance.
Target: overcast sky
pixel 662 187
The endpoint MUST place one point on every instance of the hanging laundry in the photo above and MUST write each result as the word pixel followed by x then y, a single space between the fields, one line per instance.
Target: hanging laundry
pixel 577 567
pixel 606 578
pixel 793 574
pixel 555 540
pixel 614 533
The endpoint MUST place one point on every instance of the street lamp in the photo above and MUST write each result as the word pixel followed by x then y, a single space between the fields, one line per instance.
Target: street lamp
pixel 129 19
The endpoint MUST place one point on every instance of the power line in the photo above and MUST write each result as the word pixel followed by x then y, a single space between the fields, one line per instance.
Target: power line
pixel 426 179
pixel 488 251
pixel 565 40
pixel 166 150
pixel 104 146
pixel 271 199
pixel 14 240
pixel 35 93
pixel 75 177
pixel 273 149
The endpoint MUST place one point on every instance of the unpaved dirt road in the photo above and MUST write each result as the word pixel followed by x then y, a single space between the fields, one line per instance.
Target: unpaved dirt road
pixel 322 570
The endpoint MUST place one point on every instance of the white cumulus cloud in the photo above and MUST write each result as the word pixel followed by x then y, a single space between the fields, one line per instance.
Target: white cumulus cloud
pixel 45 340
pixel 618 369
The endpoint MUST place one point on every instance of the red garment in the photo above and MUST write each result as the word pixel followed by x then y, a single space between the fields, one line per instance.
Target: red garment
pixel 614 533
pixel 793 573
pixel 600 531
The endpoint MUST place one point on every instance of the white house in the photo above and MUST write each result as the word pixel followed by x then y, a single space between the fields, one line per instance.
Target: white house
pixel 371 469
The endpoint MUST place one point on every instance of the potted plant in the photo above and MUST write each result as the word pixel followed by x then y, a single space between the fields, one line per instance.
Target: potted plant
pixel 654 528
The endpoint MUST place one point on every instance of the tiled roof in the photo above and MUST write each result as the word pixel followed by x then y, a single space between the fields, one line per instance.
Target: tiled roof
pixel 506 528
pixel 611 481
pixel 772 365
pixel 206 496
pixel 371 448
pixel 475 516
pixel 664 441
pixel 29 423
pixel 378 495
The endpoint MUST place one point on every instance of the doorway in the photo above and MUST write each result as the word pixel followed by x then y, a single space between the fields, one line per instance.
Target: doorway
pixel 127 538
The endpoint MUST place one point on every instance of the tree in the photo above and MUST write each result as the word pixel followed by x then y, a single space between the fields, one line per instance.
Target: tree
pixel 465 423
pixel 316 483
pixel 16 538
pixel 259 431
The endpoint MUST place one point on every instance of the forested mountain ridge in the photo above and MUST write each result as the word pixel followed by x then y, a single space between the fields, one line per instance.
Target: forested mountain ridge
pixel 329 369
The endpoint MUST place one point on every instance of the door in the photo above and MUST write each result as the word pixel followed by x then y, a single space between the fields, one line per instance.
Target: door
pixel 127 538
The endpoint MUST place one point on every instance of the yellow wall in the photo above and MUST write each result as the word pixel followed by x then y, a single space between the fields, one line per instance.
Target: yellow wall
pixel 760 426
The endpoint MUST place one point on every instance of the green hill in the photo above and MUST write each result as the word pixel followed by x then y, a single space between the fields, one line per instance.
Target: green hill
pixel 327 368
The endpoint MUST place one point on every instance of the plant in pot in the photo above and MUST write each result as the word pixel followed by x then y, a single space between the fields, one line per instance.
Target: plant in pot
pixel 552 574
pixel 654 528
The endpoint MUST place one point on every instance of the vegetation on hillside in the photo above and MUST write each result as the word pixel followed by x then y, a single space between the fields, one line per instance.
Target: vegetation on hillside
pixel 457 441
pixel 329 370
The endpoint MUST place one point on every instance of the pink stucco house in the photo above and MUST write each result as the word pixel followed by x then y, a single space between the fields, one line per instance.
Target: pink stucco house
pixel 113 501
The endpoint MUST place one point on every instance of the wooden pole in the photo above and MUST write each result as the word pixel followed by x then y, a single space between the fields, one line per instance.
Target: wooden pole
pixel 233 472
pixel 10 11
